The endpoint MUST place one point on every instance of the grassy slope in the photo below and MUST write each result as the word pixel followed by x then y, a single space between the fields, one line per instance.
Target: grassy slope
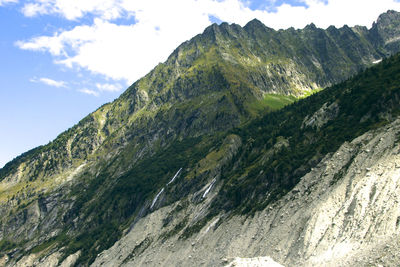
pixel 254 60
pixel 259 169
pixel 367 101
pixel 230 76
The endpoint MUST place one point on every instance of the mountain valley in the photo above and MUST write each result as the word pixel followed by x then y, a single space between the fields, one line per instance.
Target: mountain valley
pixel 247 142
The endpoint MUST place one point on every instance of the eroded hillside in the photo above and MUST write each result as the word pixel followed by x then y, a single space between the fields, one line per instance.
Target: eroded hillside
pixel 194 145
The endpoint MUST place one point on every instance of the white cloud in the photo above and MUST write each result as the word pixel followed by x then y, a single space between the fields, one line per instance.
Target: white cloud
pixel 32 9
pixel 125 52
pixel 334 12
pixel 89 92
pixel 3 2
pixel 72 10
pixel 49 82
pixel 109 87
pixel 156 27
pixel 51 44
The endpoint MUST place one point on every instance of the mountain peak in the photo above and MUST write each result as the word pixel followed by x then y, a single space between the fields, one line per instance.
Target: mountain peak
pixel 387 18
pixel 254 23
pixel 311 26
pixel 389 13
pixel 167 142
pixel 387 29
pixel 214 29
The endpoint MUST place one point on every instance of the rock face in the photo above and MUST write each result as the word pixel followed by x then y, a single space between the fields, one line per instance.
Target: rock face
pixel 344 212
pixel 51 260
pixel 386 30
pixel 190 152
pixel 256 262
pixel 322 116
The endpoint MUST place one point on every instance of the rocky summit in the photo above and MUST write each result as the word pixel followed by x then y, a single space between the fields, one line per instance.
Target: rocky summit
pixel 247 147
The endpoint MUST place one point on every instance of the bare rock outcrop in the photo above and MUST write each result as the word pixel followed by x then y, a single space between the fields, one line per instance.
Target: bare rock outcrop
pixel 345 211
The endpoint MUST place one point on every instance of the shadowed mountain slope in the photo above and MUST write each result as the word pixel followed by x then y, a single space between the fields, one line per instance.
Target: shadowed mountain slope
pixel 81 192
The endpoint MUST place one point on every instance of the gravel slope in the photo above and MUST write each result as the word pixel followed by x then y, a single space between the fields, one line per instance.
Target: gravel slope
pixel 344 212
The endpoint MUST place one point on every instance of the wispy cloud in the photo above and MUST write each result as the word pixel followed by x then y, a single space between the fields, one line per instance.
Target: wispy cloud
pixel 89 92
pixel 3 2
pixel 32 9
pixel 73 10
pixel 108 87
pixel 49 82
pixel 127 52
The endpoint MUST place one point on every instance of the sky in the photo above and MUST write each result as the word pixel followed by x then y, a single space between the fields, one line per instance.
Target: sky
pixel 62 59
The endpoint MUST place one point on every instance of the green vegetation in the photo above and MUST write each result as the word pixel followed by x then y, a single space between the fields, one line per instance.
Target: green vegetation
pixel 250 176
pixel 137 250
pixel 270 102
pixel 109 206
pixel 6 245
pixel 342 172
pixel 253 78
pixel 177 228
pixel 375 95
pixel 195 228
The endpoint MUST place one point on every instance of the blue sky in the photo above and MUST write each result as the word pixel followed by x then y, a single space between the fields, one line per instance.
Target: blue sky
pixel 62 59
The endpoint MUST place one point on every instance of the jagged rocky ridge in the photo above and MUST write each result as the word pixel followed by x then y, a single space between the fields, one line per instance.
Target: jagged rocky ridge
pixel 77 195
pixel 343 208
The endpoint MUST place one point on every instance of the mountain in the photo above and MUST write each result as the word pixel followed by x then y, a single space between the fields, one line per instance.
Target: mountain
pixel 200 141
pixel 313 184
